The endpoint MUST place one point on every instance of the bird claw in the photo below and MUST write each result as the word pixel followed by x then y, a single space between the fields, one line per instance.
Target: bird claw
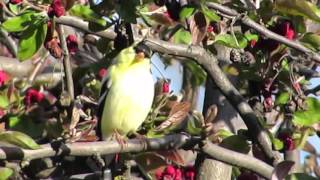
pixel 120 139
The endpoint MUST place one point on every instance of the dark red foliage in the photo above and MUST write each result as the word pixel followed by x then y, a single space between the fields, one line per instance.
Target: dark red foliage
pixel 54 48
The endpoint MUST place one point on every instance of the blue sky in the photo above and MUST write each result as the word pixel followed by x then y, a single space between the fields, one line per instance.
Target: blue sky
pixel 174 72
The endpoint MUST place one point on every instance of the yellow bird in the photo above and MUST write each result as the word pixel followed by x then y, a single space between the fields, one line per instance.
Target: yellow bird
pixel 130 95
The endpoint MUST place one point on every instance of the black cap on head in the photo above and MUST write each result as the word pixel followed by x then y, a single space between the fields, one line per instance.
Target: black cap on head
pixel 141 47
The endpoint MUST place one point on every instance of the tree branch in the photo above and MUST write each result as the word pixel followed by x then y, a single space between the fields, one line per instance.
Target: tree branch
pixel 237 159
pixel 66 61
pixel 174 141
pixel 9 42
pixel 266 32
pixel 210 64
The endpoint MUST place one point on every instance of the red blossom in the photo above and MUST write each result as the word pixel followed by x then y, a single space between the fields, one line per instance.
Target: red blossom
pixel 210 29
pixel 72 43
pixel 15 1
pixel 190 173
pixel 33 96
pixel 4 77
pixel 253 43
pixel 287 140
pixel 102 72
pixel 268 103
pixel 56 9
pixel 165 87
pixel 287 30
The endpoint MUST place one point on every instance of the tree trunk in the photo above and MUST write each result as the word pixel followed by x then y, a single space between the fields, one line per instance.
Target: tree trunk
pixel 227 118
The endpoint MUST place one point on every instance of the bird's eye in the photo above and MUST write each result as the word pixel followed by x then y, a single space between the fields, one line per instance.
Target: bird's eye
pixel 142 48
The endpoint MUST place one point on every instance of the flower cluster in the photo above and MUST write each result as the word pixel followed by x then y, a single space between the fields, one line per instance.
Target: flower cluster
pixel 56 9
pixel 72 43
pixel 33 96
pixel 4 77
pixel 175 173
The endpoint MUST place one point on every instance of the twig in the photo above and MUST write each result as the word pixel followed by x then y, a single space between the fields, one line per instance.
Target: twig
pixel 210 64
pixel 66 61
pixel 11 45
pixel 39 64
pixel 173 141
pixel 237 159
pixel 266 32
pixel 315 91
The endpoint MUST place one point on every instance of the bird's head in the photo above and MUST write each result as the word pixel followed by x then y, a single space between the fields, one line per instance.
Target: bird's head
pixel 133 55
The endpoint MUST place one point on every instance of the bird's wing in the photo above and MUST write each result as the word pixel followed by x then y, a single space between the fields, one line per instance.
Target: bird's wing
pixel 105 86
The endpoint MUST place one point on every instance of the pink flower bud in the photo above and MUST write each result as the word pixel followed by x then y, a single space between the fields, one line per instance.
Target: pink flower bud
pixel 165 87
pixel 15 1
pixel 72 43
pixel 102 72
pixel 56 9
pixel 4 77
pixel 33 96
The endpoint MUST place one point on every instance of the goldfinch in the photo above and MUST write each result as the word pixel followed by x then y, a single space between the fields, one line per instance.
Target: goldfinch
pixel 130 94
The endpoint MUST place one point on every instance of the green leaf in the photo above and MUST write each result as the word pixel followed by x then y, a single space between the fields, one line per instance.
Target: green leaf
pixel 14 8
pixel 194 126
pixel 236 143
pixel 230 41
pixel 309 116
pixel 87 14
pixel 250 36
pixel 198 74
pixel 4 101
pixel 311 40
pixel 283 98
pixel 223 133
pixel 182 37
pixel 300 176
pixel 32 39
pixel 20 139
pixel 277 143
pixel 5 173
pixel 18 23
pixel 210 14
pixel 186 12
pixel 298 8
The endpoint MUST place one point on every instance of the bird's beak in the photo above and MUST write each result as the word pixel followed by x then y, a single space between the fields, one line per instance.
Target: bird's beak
pixel 139 57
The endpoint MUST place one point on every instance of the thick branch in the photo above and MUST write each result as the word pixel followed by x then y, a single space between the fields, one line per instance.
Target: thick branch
pixel 237 159
pixel 266 32
pixel 174 141
pixel 210 64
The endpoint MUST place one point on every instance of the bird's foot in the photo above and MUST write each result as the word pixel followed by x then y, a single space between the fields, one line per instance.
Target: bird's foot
pixel 120 139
